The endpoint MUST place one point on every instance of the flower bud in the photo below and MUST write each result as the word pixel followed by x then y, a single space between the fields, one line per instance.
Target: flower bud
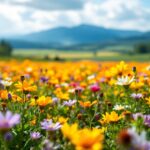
pixel 22 78
pixel 134 69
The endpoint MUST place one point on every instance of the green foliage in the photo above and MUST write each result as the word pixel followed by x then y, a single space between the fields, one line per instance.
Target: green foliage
pixel 142 48
pixel 5 48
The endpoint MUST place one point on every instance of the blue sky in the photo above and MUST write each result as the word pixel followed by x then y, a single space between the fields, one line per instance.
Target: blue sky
pixel 25 16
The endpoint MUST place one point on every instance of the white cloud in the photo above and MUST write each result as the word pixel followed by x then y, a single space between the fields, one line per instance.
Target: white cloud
pixel 108 13
pixel 48 4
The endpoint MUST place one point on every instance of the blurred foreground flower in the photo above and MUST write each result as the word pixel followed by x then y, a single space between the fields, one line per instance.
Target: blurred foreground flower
pixel 83 139
pixel 8 120
pixel 129 139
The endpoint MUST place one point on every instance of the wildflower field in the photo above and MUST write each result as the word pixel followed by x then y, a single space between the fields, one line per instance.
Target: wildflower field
pixel 82 105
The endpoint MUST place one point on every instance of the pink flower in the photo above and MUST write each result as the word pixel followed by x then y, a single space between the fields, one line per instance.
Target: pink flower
pixel 94 88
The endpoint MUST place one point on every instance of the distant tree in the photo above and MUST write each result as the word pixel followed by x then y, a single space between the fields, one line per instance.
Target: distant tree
pixel 142 48
pixel 95 53
pixel 5 48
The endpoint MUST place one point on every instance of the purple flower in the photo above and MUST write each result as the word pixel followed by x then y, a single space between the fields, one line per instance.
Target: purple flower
pixel 28 96
pixel 136 96
pixel 44 79
pixel 8 136
pixel 8 120
pixel 147 120
pixel 55 99
pixel 69 103
pixel 49 125
pixel 35 135
pixel 147 146
pixel 9 96
pixel 137 115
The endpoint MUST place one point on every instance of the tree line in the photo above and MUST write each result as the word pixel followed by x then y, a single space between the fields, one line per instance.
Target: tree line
pixel 142 48
pixel 5 48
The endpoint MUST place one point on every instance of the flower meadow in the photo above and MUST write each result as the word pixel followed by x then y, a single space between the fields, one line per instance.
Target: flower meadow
pixel 82 105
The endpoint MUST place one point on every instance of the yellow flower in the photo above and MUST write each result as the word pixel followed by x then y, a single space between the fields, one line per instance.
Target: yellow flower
pixel 54 81
pixel 43 101
pixel 62 120
pixel 121 68
pixel 69 130
pixel 16 98
pixel 105 119
pixel 63 96
pixel 136 85
pixel 83 139
pixel 87 139
pixel 32 102
pixel 148 100
pixel 112 81
pixel 112 117
pixel 25 86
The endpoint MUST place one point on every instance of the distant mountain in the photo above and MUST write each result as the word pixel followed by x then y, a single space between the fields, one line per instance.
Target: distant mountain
pixel 83 34
pixel 25 44
pixel 142 37
pixel 63 37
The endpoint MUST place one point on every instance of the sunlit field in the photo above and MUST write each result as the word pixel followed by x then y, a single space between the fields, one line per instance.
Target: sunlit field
pixel 81 105
pixel 100 55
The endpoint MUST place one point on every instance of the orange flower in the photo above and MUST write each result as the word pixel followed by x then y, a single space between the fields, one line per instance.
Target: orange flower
pixel 87 103
pixel 4 94
pixel 43 101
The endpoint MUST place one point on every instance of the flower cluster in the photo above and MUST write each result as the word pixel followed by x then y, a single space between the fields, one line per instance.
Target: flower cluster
pixel 82 105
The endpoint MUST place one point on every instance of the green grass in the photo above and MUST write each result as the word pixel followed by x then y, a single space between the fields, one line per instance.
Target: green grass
pixel 76 55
